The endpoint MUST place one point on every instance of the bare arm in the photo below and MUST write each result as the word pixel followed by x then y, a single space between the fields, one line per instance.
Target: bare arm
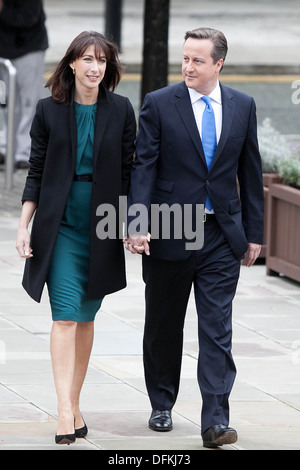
pixel 23 236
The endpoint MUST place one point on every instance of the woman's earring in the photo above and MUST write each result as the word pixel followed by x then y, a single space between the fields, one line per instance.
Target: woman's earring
pixel 74 71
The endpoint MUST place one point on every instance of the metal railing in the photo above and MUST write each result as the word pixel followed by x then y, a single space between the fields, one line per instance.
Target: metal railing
pixel 10 157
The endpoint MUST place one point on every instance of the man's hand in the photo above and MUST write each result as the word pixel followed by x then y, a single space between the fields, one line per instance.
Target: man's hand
pixel 252 254
pixel 138 243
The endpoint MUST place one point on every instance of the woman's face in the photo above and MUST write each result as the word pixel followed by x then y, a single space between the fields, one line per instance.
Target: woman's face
pixel 89 70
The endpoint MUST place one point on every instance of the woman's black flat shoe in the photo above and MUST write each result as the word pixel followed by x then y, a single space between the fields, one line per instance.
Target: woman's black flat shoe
pixel 82 432
pixel 65 438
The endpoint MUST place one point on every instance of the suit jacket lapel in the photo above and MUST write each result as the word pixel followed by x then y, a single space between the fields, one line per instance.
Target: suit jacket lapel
pixel 185 110
pixel 228 109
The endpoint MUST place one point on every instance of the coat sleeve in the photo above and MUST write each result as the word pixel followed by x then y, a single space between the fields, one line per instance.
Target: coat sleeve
pixel 251 186
pixel 39 142
pixel 147 153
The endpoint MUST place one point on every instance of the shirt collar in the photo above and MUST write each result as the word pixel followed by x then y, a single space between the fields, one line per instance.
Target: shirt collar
pixel 214 95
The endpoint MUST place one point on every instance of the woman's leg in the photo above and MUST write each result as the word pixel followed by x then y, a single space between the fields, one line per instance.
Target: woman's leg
pixel 84 343
pixel 62 347
pixel 71 345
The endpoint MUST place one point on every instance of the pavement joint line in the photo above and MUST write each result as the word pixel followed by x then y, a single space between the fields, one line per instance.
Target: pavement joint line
pixel 261 334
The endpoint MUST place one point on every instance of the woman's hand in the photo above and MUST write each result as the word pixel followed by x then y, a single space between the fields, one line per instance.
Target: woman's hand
pixel 23 243
pixel 23 236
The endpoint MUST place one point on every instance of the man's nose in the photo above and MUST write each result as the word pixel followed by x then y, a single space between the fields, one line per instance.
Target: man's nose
pixel 189 65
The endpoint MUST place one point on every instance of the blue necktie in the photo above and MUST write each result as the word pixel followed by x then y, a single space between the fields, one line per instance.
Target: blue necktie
pixel 209 137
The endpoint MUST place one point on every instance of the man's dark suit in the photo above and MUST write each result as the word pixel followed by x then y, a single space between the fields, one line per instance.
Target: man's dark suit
pixel 170 168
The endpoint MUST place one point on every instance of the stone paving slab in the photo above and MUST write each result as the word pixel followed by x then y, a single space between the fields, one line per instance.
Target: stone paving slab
pixel 265 402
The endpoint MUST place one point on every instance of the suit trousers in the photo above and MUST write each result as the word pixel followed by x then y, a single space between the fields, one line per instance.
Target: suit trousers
pixel 213 272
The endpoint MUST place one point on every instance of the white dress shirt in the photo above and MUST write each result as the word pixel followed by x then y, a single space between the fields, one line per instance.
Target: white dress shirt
pixel 199 106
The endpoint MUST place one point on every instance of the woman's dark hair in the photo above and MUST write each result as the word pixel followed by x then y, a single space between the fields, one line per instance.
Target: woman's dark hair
pixel 218 39
pixel 61 82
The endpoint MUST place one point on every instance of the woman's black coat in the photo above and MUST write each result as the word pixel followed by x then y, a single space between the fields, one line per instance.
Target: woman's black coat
pixel 52 167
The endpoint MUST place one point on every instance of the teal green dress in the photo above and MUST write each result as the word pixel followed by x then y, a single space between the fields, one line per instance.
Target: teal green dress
pixel 69 270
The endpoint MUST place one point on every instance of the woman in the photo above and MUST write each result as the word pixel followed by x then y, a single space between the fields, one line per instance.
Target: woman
pixel 83 139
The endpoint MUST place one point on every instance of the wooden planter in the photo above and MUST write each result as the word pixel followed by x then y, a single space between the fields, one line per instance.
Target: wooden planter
pixel 283 233
pixel 268 179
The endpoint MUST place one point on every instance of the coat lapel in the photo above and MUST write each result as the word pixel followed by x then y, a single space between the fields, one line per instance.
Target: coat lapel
pixel 103 112
pixel 73 132
pixel 185 110
pixel 228 109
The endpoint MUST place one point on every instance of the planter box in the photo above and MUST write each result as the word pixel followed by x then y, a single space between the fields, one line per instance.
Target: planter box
pixel 283 234
pixel 268 180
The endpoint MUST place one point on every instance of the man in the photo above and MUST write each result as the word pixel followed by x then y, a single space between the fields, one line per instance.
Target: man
pixel 185 157
pixel 23 40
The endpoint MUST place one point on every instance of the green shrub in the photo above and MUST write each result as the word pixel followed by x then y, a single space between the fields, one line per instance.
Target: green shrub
pixel 273 146
pixel 289 170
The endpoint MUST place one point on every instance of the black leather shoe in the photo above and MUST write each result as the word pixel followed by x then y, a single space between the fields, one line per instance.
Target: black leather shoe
pixel 161 420
pixel 81 432
pixel 219 435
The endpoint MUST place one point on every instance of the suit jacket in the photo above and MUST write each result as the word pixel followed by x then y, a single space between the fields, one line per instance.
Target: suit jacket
pixel 52 167
pixel 170 166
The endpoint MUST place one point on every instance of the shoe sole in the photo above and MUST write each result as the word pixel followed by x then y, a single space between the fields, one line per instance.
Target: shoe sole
pixel 226 438
pixel 160 429
pixel 66 441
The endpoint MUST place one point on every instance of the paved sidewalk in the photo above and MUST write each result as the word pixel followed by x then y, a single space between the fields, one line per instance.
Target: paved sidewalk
pixel 265 403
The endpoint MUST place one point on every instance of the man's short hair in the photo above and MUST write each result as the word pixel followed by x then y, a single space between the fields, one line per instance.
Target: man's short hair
pixel 218 39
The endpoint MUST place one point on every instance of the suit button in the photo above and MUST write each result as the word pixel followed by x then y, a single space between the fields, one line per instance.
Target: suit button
pixel 207 183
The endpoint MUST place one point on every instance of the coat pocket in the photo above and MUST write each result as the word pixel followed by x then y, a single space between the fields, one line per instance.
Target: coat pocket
pixel 234 206
pixel 164 185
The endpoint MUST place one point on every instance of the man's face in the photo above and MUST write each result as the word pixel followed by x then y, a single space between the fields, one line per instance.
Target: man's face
pixel 198 69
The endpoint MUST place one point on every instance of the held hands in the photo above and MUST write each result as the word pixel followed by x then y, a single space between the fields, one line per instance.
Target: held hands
pixel 138 243
pixel 252 254
pixel 23 243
